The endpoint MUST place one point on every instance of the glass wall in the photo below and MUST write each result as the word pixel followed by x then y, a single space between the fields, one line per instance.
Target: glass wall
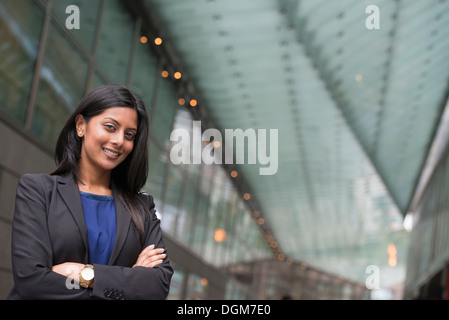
pixel 198 204
pixel 203 209
pixel 20 27
pixel 428 253
pixel 61 84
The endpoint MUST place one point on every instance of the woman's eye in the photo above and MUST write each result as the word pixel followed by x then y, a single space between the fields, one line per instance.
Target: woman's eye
pixel 130 136
pixel 109 127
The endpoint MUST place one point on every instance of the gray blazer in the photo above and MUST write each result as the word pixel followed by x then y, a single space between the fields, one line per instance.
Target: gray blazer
pixel 49 229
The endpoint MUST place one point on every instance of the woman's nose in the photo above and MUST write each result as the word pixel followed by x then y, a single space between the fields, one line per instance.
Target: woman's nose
pixel 117 138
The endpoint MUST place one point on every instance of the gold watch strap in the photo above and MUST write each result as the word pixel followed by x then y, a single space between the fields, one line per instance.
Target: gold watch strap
pixel 85 283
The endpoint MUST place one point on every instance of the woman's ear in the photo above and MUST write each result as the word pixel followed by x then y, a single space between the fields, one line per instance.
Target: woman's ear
pixel 80 125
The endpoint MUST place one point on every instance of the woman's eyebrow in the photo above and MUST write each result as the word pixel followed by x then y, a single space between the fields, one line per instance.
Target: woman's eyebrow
pixel 118 123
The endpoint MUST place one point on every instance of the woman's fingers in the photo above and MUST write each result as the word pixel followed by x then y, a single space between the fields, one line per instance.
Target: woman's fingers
pixel 147 249
pixel 153 261
pixel 150 257
pixel 147 252
pixel 150 261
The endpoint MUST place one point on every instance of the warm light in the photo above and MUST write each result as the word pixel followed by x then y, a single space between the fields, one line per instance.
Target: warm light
pixel 181 101
pixel 220 235
pixel 143 39
pixel 391 249
pixel 158 41
pixel 392 259
pixel 204 282
pixel 260 221
pixel 274 244
pixel 217 144
pixel 177 75
pixel 193 102
pixel 303 266
pixel 281 256
pixel 233 173
pixel 164 73
pixel 289 261
pixel 246 196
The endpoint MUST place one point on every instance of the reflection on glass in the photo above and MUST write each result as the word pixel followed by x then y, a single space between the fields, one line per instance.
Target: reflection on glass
pixel 176 283
pixel 156 169
pixel 174 217
pixel 165 111
pixel 196 287
pixel 20 26
pixel 88 18
pixel 97 81
pixel 202 225
pixel 235 291
pixel 188 207
pixel 144 74
pixel 61 86
pixel 116 39
pixel 215 210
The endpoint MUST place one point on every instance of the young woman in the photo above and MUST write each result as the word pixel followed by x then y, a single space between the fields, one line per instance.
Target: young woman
pixel 86 231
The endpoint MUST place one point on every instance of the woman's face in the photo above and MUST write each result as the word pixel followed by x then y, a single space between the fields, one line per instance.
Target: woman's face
pixel 108 138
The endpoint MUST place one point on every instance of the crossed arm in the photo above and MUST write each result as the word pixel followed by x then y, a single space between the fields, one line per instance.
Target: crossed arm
pixel 36 276
pixel 148 258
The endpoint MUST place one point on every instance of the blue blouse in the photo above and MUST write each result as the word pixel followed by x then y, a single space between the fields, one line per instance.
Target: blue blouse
pixel 99 213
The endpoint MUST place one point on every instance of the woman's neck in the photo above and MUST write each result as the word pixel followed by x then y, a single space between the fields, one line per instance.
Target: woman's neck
pixel 93 181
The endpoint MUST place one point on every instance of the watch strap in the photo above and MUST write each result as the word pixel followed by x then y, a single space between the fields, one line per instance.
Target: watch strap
pixel 83 282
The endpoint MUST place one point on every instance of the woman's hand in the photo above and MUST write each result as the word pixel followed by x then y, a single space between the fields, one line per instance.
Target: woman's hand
pixel 69 269
pixel 150 257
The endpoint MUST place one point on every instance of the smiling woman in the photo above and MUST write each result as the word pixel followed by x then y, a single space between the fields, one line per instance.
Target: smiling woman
pixel 108 139
pixel 88 223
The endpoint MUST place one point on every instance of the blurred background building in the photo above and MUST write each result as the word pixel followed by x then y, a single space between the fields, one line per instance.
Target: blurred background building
pixel 356 89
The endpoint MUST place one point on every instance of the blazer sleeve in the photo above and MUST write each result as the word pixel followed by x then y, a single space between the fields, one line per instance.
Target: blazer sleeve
pixel 31 248
pixel 117 282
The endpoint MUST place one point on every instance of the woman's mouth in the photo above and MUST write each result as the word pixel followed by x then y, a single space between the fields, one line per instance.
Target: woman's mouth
pixel 111 154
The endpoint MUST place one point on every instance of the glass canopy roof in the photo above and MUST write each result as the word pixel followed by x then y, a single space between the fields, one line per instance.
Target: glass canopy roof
pixel 355 108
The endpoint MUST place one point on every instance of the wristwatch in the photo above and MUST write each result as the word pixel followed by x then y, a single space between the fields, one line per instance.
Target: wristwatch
pixel 86 275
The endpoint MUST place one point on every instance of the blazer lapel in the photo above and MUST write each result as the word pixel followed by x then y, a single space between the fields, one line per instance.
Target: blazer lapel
pixel 68 189
pixel 123 221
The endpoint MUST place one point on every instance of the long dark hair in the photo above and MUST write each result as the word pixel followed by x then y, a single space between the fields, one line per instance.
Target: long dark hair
pixel 130 175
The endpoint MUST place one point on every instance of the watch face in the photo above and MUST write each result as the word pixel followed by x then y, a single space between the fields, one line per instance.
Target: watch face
pixel 87 274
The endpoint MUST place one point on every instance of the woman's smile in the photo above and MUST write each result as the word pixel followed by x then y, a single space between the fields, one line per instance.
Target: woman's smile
pixel 111 153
